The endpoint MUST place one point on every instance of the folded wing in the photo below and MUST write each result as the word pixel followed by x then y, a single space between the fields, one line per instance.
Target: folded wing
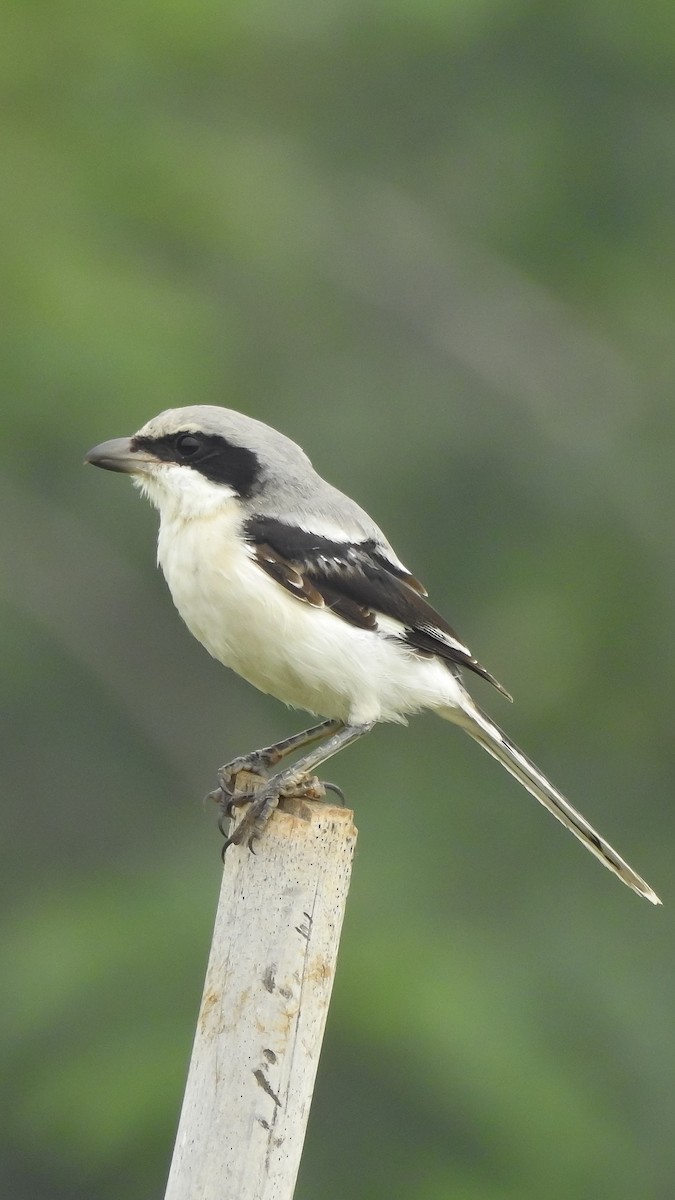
pixel 360 584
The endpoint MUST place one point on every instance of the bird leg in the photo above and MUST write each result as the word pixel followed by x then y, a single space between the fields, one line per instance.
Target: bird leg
pixel 260 762
pixel 293 781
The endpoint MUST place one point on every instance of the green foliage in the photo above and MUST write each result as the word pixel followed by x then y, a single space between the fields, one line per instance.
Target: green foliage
pixel 433 242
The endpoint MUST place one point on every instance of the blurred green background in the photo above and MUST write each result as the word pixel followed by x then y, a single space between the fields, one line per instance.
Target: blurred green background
pixel 435 243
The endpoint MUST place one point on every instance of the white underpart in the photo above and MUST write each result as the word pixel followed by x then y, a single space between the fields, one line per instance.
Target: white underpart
pixel 307 657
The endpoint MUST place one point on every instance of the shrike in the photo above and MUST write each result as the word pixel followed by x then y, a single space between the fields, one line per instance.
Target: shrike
pixel 290 583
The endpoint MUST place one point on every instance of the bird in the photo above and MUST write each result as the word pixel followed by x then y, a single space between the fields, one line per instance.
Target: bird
pixel 291 584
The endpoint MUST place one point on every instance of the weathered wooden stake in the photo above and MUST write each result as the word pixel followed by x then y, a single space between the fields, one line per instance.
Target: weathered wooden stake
pixel 264 1008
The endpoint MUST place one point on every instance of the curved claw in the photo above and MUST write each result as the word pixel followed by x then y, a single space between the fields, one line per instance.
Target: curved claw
pixel 225 783
pixel 333 787
pixel 234 839
pixel 227 812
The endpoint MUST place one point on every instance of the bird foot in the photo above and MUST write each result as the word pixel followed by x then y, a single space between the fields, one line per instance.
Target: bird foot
pixel 261 805
pixel 258 763
pixel 262 795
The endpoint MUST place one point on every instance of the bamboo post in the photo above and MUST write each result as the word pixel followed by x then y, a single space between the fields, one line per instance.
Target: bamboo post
pixel 264 1008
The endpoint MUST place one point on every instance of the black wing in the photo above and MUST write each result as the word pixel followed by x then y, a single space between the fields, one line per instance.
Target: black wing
pixel 357 581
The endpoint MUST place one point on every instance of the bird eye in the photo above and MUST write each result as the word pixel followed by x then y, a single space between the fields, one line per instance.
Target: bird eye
pixel 187 445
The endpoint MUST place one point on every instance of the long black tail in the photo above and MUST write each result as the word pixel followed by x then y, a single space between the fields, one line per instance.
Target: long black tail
pixel 496 742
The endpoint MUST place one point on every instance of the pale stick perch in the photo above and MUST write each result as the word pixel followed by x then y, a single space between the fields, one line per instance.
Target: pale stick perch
pixel 264 1008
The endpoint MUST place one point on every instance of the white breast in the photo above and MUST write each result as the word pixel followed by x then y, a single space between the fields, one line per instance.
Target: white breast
pixel 307 657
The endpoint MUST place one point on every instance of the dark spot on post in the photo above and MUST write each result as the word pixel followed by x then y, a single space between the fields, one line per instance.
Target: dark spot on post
pixel 262 1083
pixel 305 930
pixel 270 1056
pixel 268 977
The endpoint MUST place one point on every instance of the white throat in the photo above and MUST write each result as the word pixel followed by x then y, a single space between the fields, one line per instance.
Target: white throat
pixel 182 494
